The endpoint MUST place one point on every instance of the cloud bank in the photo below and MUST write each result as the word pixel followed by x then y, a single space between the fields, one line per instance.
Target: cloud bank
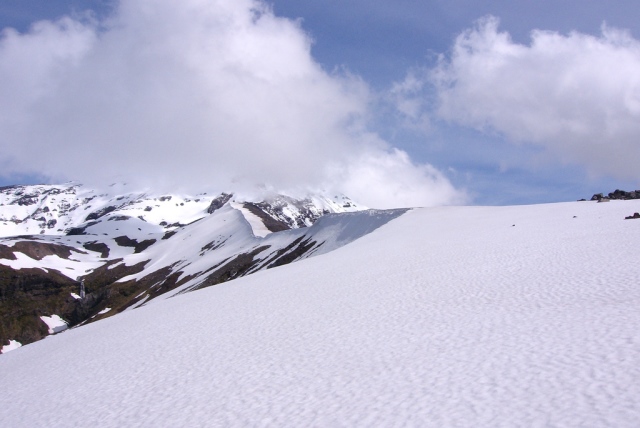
pixel 576 95
pixel 195 94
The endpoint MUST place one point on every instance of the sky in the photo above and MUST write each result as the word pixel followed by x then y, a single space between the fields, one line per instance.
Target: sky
pixel 406 103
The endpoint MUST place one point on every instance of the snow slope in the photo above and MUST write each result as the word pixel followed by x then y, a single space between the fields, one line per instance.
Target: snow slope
pixel 129 247
pixel 456 316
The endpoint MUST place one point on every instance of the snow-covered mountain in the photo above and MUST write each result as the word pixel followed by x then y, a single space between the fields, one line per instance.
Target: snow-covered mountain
pixel 124 249
pixel 73 209
pixel 453 316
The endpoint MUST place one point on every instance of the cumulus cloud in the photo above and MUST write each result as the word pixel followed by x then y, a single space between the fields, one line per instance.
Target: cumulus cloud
pixel 197 94
pixel 576 95
pixel 381 176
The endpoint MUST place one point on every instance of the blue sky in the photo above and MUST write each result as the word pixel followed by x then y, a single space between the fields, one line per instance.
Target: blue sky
pixel 420 76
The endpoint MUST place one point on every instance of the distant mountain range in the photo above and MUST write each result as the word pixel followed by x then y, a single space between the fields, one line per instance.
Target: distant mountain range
pixel 71 255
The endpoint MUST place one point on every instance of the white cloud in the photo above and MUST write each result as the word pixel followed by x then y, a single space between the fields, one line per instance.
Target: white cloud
pixel 577 95
pixel 384 179
pixel 409 100
pixel 196 93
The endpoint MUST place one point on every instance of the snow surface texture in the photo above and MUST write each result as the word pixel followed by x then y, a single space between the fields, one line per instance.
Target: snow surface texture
pixel 457 316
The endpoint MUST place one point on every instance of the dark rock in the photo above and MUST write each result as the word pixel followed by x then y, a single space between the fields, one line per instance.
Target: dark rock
pixel 214 245
pixel 7 253
pixel 269 222
pixel 100 213
pixel 617 194
pixel 291 252
pixel 634 216
pixel 26 200
pixel 236 267
pixel 29 293
pixel 80 230
pixel 155 284
pixel 169 234
pixel 99 247
pixel 219 202
pixel 143 245
pixel 176 224
pixel 39 250
pixel 125 241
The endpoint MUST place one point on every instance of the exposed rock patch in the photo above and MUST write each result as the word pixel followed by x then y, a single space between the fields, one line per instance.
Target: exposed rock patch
pixel 125 241
pixel 219 202
pixel 269 222
pixel 39 250
pixel 101 213
pixel 234 268
pixel 99 247
pixel 297 249
pixel 7 253
pixel 169 234
pixel 616 194
pixel 82 230
pixel 27 294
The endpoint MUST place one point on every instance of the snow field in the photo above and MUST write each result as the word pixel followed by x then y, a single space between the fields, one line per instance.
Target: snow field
pixel 77 265
pixel 258 228
pixel 13 344
pixel 54 323
pixel 457 316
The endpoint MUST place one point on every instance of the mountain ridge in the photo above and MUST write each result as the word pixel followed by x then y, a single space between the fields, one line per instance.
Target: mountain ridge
pixel 129 249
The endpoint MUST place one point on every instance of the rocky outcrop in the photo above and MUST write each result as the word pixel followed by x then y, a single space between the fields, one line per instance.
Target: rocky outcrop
pixel 616 194
pixel 27 294
pixel 125 241
pixel 219 202
pixel 270 221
